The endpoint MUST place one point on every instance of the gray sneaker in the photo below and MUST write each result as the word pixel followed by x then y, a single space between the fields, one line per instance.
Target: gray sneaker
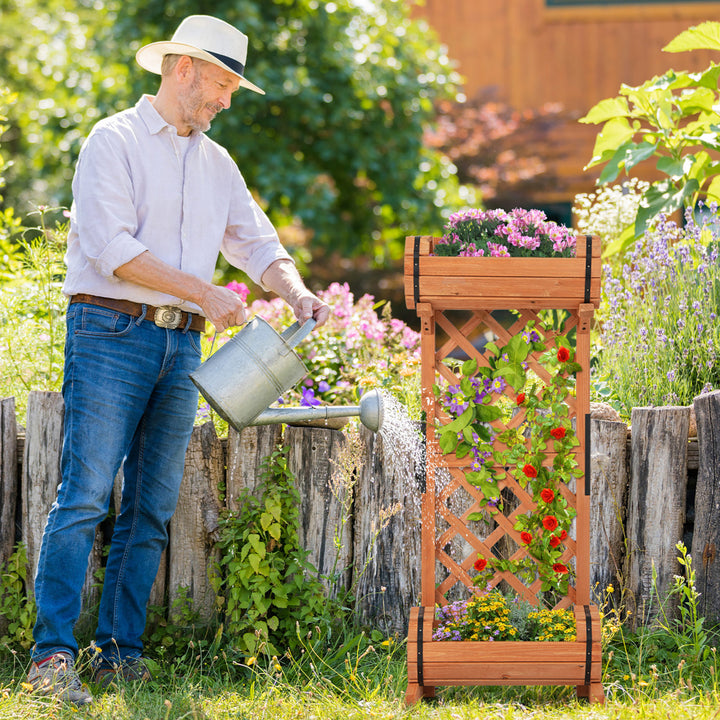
pixel 58 677
pixel 129 670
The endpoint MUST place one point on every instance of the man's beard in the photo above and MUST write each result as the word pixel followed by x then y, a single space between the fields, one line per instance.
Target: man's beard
pixel 192 105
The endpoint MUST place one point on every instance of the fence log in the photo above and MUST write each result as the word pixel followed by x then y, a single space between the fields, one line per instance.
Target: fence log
pixel 706 534
pixel 246 451
pixel 656 511
pixel 194 526
pixel 386 493
pixel 325 503
pixel 8 477
pixel 40 480
pixel 608 498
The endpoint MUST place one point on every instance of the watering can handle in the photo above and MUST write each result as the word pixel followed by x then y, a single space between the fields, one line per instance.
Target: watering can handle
pixel 296 333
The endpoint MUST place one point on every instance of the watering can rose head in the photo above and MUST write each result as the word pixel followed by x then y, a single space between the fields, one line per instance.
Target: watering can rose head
pixel 496 233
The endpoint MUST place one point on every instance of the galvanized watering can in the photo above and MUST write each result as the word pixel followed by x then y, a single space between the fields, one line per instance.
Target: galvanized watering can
pixel 255 367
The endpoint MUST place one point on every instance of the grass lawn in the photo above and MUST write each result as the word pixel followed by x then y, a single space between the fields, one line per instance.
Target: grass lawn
pixel 370 687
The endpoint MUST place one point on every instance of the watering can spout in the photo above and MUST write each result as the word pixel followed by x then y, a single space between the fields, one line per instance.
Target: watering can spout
pixel 371 411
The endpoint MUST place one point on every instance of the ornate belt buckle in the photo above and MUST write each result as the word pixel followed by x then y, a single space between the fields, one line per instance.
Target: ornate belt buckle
pixel 168 316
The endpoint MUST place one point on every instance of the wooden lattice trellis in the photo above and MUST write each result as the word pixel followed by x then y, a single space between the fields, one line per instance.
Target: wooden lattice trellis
pixel 456 299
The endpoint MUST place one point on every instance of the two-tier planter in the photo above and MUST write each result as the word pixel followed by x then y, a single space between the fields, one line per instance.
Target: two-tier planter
pixel 456 298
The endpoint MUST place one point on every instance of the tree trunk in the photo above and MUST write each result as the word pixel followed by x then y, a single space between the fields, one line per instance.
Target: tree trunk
pixel 40 480
pixel 245 454
pixel 706 535
pixel 608 498
pixel 314 459
pixel 194 526
pixel 386 568
pixel 8 477
pixel 656 511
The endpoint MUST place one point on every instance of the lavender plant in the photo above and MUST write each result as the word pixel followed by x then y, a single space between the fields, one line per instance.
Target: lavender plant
pixel 659 341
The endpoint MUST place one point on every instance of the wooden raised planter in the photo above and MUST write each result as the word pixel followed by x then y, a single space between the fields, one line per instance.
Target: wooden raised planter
pixel 437 288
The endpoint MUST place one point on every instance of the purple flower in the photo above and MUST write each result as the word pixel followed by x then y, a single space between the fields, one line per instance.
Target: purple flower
pixel 323 386
pixel 308 398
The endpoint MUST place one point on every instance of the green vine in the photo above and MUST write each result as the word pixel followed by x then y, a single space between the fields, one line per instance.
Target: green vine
pixel 492 392
pixel 16 609
pixel 265 586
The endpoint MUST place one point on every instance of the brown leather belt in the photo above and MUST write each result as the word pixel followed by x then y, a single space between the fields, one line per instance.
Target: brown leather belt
pixel 166 316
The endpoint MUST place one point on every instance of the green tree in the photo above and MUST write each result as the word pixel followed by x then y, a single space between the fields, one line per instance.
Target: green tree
pixel 61 60
pixel 334 148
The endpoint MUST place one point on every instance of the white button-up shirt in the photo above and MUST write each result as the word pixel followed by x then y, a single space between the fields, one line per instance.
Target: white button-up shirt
pixel 134 191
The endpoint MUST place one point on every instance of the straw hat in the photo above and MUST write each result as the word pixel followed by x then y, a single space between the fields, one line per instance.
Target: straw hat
pixel 204 37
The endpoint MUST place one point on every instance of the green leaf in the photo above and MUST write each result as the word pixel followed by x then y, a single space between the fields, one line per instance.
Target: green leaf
pixel 607 109
pixel 460 422
pixel 638 153
pixel 662 197
pixel 448 442
pixel 488 413
pixel 475 517
pixel 705 36
pixel 514 374
pixel 469 367
pixel 614 135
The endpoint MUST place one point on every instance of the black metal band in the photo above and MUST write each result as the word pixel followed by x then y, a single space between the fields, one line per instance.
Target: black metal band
pixel 588 266
pixel 588 644
pixel 587 453
pixel 416 271
pixel 233 64
pixel 421 622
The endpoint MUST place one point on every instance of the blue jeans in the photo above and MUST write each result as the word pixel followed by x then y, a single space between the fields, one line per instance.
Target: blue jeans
pixel 128 399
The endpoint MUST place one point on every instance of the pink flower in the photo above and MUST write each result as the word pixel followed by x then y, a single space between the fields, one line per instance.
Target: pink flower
pixel 240 288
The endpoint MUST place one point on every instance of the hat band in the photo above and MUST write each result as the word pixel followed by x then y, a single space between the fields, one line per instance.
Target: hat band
pixel 234 65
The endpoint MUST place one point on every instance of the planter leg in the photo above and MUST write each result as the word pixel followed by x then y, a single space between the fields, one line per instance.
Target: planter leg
pixel 593 693
pixel 418 692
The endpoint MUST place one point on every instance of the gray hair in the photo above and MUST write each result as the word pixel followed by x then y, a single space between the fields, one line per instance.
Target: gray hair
pixel 170 60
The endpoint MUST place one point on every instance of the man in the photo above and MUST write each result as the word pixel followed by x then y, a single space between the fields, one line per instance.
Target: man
pixel 154 202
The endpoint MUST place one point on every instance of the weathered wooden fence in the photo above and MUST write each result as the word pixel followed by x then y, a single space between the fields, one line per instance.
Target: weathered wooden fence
pixel 649 491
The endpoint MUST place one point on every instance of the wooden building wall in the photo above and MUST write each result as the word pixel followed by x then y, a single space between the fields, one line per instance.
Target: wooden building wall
pixel 533 53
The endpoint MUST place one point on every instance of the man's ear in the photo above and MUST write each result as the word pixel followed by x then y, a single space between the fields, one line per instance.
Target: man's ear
pixel 184 69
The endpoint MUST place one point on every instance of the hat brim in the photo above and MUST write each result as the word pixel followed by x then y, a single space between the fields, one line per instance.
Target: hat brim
pixel 150 58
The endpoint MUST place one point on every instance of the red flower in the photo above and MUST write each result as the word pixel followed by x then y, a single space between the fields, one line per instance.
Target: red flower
pixel 530 471
pixel 526 537
pixel 550 522
pixel 559 568
pixel 558 433
pixel 563 354
pixel 563 534
pixel 554 541
pixel 480 564
pixel 520 399
pixel 547 495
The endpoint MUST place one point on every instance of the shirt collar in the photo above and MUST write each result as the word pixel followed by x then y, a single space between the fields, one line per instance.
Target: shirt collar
pixel 154 121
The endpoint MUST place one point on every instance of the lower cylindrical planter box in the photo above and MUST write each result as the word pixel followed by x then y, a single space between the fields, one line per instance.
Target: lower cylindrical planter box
pixel 433 663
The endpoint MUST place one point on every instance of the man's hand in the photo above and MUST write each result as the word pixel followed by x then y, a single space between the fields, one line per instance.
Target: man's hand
pixel 283 278
pixel 223 307
pixel 310 306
